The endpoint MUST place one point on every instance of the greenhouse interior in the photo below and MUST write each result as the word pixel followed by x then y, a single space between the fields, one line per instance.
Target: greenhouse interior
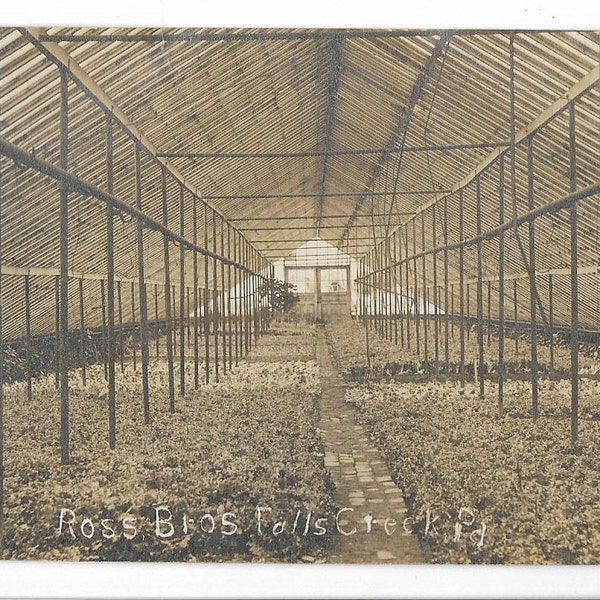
pixel 300 295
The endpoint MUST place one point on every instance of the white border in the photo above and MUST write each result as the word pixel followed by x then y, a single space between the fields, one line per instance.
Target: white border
pixel 156 580
pixel 182 580
pixel 521 14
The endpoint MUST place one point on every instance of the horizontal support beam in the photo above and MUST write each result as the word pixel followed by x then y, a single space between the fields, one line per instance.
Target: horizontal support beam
pixel 10 270
pixel 585 84
pixel 87 84
pixel 323 239
pixel 308 217
pixel 77 184
pixel 330 195
pixel 540 211
pixel 303 227
pixel 261 35
pixel 307 154
pixel 566 271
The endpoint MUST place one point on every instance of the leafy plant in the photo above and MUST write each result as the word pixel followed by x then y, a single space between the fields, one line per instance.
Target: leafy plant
pixel 280 295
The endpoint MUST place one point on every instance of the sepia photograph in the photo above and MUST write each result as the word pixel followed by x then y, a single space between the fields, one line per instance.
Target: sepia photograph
pixel 287 295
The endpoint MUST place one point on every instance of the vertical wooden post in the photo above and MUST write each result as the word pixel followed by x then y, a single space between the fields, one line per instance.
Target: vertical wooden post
pixel 516 317
pixel 168 312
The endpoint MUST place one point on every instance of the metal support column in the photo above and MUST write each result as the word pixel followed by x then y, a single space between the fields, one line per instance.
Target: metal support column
pixel 501 367
pixel 143 293
pixel 168 312
pixel 436 303
pixel 481 360
pixel 574 283
pixel 216 307
pixel 461 285
pixel 82 339
pixel 229 292
pixel 206 302
pixel 236 299
pixel 532 283
pixel 133 327
pixel 156 319
pixel 551 319
pixel 446 286
pixel 110 290
pixel 120 312
pixel 224 314
pixel 182 315
pixel 195 294
pixel 27 340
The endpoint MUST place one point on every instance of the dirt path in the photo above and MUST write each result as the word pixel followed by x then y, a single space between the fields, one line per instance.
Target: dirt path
pixel 363 483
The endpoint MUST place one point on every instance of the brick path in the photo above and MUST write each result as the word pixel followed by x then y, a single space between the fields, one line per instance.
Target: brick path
pixel 362 481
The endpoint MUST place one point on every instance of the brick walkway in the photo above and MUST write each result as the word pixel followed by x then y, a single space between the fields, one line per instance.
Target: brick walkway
pixel 362 481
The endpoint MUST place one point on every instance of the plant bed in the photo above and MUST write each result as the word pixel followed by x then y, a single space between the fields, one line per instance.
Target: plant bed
pixel 537 495
pixel 186 487
pixel 386 361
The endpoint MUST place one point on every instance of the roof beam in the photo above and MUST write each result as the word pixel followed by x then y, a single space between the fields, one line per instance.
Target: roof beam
pixel 303 227
pixel 306 217
pixel 73 274
pixel 331 152
pixel 399 132
pixel 78 185
pixel 62 59
pixel 581 270
pixel 324 239
pixel 331 195
pixel 264 35
pixel 335 55
pixel 585 84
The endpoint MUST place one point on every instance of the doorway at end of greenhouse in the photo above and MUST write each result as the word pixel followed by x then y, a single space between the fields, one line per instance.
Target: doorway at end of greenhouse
pixel 323 291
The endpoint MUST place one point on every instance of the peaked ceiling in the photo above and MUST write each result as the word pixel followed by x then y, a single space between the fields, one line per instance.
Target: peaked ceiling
pixel 289 133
